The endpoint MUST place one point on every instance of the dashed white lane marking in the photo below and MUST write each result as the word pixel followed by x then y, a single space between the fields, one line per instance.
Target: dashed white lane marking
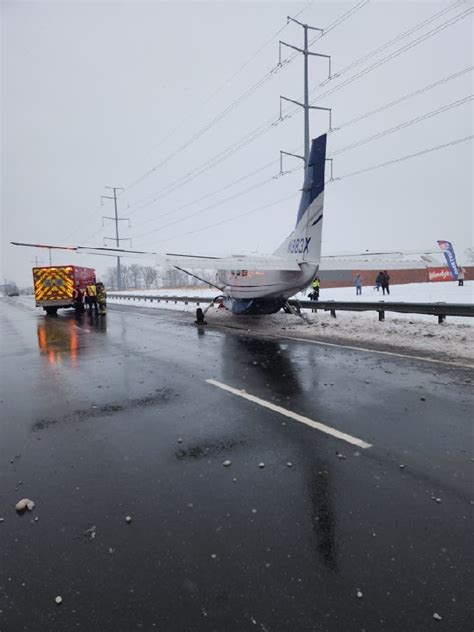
pixel 317 425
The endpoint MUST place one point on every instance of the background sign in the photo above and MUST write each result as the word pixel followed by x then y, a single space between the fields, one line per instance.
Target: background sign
pixel 439 274
pixel 447 248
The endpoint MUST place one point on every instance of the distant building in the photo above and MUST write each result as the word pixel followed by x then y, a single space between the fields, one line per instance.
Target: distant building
pixel 341 271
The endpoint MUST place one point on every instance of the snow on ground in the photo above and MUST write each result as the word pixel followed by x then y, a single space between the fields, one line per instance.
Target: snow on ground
pixel 446 291
pixel 411 332
pixel 446 341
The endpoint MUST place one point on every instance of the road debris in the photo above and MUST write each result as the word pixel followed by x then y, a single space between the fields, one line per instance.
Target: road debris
pixel 340 456
pixel 402 467
pixel 58 599
pixel 437 616
pixel 359 594
pixel 261 465
pixel 289 464
pixel 24 503
pixel 128 519
pixel 91 532
pixel 226 463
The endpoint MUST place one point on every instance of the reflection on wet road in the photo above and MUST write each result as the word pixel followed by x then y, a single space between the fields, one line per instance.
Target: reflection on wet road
pixel 103 419
pixel 60 339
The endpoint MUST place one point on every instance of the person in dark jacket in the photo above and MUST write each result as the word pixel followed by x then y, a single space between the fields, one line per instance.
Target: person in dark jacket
pixel 378 281
pixel 385 282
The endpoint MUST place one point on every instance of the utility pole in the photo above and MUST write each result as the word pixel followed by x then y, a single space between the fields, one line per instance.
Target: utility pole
pixel 115 219
pixel 305 105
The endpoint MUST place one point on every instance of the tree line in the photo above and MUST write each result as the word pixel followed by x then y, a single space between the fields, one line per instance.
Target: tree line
pixel 138 277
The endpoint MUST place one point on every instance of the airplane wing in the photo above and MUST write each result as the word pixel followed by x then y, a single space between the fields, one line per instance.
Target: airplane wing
pixel 109 252
pixel 234 262
pixel 373 260
pixel 262 262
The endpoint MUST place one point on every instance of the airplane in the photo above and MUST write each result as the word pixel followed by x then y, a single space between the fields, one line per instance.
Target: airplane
pixel 259 284
pixel 263 284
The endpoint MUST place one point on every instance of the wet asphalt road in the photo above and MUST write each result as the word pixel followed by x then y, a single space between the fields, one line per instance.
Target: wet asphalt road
pixel 104 419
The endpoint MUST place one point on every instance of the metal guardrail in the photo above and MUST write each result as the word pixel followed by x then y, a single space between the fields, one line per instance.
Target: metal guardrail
pixel 441 310
pixel 434 309
pixel 162 298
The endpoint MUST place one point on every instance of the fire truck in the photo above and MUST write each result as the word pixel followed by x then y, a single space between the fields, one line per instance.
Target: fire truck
pixel 61 286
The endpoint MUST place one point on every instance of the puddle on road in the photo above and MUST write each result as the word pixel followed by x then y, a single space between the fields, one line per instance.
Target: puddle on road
pixel 59 338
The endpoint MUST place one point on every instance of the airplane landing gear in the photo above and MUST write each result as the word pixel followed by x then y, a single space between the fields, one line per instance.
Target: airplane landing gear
pixel 200 317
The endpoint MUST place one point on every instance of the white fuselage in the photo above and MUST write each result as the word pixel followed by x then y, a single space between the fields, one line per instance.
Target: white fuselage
pixel 248 284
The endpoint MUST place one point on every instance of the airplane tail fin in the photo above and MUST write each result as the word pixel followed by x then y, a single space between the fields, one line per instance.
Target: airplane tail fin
pixel 305 241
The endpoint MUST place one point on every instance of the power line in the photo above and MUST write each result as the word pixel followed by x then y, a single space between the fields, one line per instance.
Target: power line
pixel 399 37
pixel 396 53
pixel 361 142
pixel 405 97
pixel 391 55
pixel 208 195
pixel 266 77
pixel 396 128
pixel 249 189
pixel 229 80
pixel 270 123
pixel 348 175
pixel 407 157
pixel 358 143
pixel 84 220
pixel 232 219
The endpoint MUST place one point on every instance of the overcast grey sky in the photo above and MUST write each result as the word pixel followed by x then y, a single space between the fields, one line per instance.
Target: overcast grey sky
pixel 91 91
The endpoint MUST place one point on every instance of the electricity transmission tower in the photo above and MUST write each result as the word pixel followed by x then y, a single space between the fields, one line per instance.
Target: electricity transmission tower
pixel 115 219
pixel 305 105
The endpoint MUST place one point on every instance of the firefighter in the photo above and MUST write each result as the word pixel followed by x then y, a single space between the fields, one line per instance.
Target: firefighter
pixel 315 284
pixel 101 298
pixel 78 300
pixel 91 297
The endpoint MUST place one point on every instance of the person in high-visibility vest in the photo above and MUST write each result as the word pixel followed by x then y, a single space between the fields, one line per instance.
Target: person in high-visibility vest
pixel 315 284
pixel 91 297
pixel 101 298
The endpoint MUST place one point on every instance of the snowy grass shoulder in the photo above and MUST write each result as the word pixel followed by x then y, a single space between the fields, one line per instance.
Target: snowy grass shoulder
pixel 406 332
pixel 446 292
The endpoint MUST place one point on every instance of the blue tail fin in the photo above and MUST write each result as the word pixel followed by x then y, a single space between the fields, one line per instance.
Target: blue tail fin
pixel 304 242
pixel 314 177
